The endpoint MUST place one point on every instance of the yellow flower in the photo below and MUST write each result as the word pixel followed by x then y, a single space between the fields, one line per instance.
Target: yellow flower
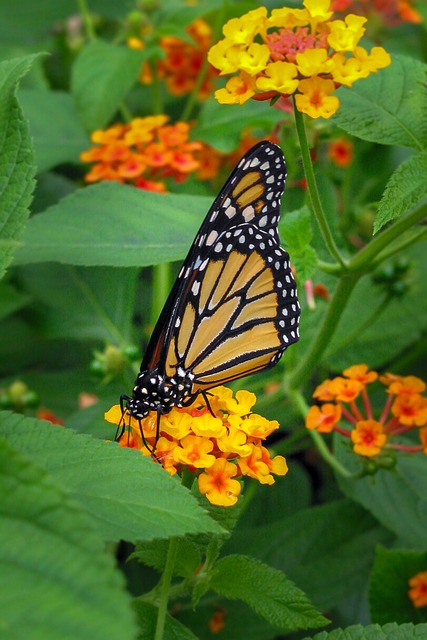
pixel 279 76
pixel 255 467
pixel 242 30
pixel 238 90
pixel 218 56
pixel 217 483
pixel 252 60
pixel 257 426
pixel 208 426
pixel 344 36
pixel 377 59
pixel 241 405
pixel 234 442
pixel 313 61
pixel 318 9
pixel 288 18
pixel 347 70
pixel 176 424
pixel 194 451
pixel 314 98
pixel 368 438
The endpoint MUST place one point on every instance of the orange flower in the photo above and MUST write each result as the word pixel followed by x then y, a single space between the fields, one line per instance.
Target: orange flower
pixel 144 149
pixel 323 419
pixel 410 409
pixel 360 372
pixel 408 385
pixel 216 623
pixel 218 485
pixel 322 391
pixel 368 438
pixel 46 414
pixel 344 389
pixel 418 589
pixel 341 152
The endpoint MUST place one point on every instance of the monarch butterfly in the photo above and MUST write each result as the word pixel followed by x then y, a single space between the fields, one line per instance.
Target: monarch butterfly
pixel 233 309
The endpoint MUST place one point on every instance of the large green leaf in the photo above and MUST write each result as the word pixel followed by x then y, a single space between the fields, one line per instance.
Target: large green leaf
pixel 16 160
pixel 56 579
pixel 388 107
pixel 397 498
pixel 267 591
pixel 316 548
pixel 57 133
pixel 147 618
pixel 114 224
pixel 102 75
pixel 129 496
pixel 406 187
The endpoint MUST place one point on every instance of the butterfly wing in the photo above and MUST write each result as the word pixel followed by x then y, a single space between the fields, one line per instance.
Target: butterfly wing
pixel 238 313
pixel 250 196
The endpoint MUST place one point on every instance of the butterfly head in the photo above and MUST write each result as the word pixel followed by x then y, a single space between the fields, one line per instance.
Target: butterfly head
pixel 154 391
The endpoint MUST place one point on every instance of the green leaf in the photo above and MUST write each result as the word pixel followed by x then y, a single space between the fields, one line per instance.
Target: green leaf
pixel 391 631
pixel 375 327
pixel 82 303
pixel 114 224
pixel 56 579
pixel 57 133
pixel 398 498
pixel 316 547
pixel 16 160
pixel 11 300
pixel 147 618
pixel 130 497
pixel 102 75
pixel 295 227
pixel 388 590
pixel 406 187
pixel 388 107
pixel 153 554
pixel 221 126
pixel 267 591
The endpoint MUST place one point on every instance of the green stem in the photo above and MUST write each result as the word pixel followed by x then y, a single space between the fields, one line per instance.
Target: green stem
pixel 189 106
pixel 313 190
pixel 396 247
pixel 326 330
pixel 370 253
pixel 165 588
pixel 161 287
pixel 87 19
pixel 321 446
pixel 156 94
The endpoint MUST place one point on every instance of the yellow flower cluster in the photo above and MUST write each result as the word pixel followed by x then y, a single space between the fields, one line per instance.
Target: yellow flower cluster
pixel 294 51
pixel 217 449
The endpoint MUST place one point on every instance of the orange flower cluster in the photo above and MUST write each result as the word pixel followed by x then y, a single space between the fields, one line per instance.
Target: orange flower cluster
pixel 141 152
pixel 340 151
pixel 217 449
pixel 392 12
pixel 405 403
pixel 418 589
pixel 183 61
pixel 294 51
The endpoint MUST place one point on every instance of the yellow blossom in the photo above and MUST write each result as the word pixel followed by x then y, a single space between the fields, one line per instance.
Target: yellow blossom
pixel 176 423
pixel 313 61
pixel 252 60
pixel 219 56
pixel 194 451
pixel 377 59
pixel 345 36
pixel 288 18
pixel 218 485
pixel 208 426
pixel 314 98
pixel 255 467
pixel 238 90
pixel 318 9
pixel 347 70
pixel 242 30
pixel 241 405
pixel 279 76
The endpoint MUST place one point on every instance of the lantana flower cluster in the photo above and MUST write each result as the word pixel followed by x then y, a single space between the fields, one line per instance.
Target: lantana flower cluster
pixel 345 399
pixel 183 61
pixel 144 153
pixel 217 449
pixel 300 52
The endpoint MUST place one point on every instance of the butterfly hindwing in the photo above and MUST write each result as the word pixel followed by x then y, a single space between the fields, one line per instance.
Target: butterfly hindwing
pixel 239 310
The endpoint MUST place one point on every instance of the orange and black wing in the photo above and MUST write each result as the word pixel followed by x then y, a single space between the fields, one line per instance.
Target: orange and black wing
pixel 233 309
